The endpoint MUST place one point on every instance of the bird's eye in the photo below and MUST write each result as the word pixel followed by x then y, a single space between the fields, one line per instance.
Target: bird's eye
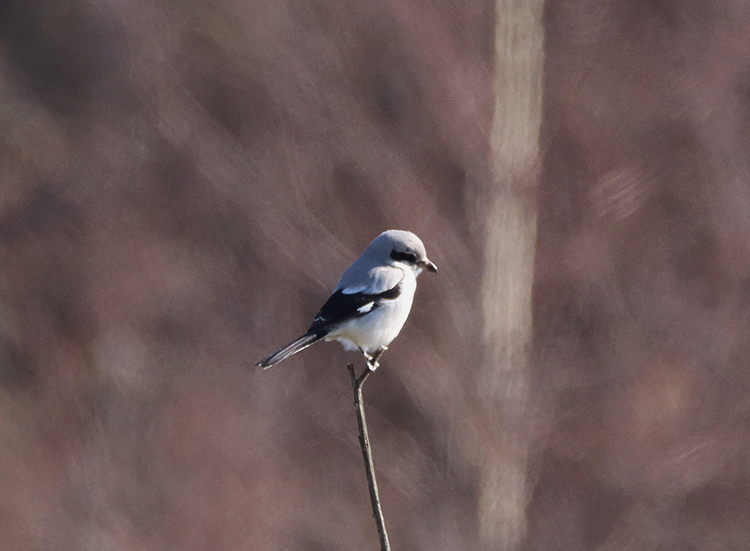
pixel 409 258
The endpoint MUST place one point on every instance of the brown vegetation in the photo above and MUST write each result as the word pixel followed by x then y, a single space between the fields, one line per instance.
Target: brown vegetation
pixel 181 183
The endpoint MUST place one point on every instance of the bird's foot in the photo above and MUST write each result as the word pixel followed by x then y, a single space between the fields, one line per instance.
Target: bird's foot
pixel 373 360
pixel 372 363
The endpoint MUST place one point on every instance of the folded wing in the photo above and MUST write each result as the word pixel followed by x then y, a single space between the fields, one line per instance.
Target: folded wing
pixel 348 303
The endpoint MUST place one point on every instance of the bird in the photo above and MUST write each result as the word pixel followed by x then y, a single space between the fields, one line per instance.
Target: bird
pixel 371 301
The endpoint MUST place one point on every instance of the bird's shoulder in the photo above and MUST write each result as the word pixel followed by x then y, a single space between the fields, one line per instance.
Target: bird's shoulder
pixel 372 281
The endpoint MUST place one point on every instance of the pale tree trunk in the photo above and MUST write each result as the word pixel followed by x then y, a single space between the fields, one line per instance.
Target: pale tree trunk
pixel 510 236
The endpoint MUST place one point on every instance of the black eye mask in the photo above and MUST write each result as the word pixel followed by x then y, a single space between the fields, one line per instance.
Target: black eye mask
pixel 409 258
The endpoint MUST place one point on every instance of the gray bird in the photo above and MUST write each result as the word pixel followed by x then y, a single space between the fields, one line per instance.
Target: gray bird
pixel 371 301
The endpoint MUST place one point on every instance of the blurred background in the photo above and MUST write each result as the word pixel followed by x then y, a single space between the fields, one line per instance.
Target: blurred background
pixel 182 183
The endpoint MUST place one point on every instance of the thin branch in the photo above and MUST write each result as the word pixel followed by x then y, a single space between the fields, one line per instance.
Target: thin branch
pixel 364 443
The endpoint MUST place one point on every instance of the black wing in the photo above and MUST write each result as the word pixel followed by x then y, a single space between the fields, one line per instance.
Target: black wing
pixel 341 307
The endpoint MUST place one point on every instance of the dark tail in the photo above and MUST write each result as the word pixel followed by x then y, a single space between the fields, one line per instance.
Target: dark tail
pixel 290 349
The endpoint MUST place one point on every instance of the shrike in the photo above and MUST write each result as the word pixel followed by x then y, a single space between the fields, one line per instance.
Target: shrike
pixel 371 301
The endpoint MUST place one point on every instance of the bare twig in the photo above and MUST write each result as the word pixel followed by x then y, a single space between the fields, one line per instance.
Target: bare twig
pixel 364 442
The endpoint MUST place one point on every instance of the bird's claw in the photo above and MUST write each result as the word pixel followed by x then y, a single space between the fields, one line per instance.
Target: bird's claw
pixel 373 360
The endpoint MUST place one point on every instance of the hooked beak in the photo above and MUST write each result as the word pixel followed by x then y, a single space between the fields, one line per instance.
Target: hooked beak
pixel 427 265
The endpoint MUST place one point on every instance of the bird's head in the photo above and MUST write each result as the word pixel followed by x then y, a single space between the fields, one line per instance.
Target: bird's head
pixel 401 247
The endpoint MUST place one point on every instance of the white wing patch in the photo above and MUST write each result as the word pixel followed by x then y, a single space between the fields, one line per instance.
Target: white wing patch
pixel 365 308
